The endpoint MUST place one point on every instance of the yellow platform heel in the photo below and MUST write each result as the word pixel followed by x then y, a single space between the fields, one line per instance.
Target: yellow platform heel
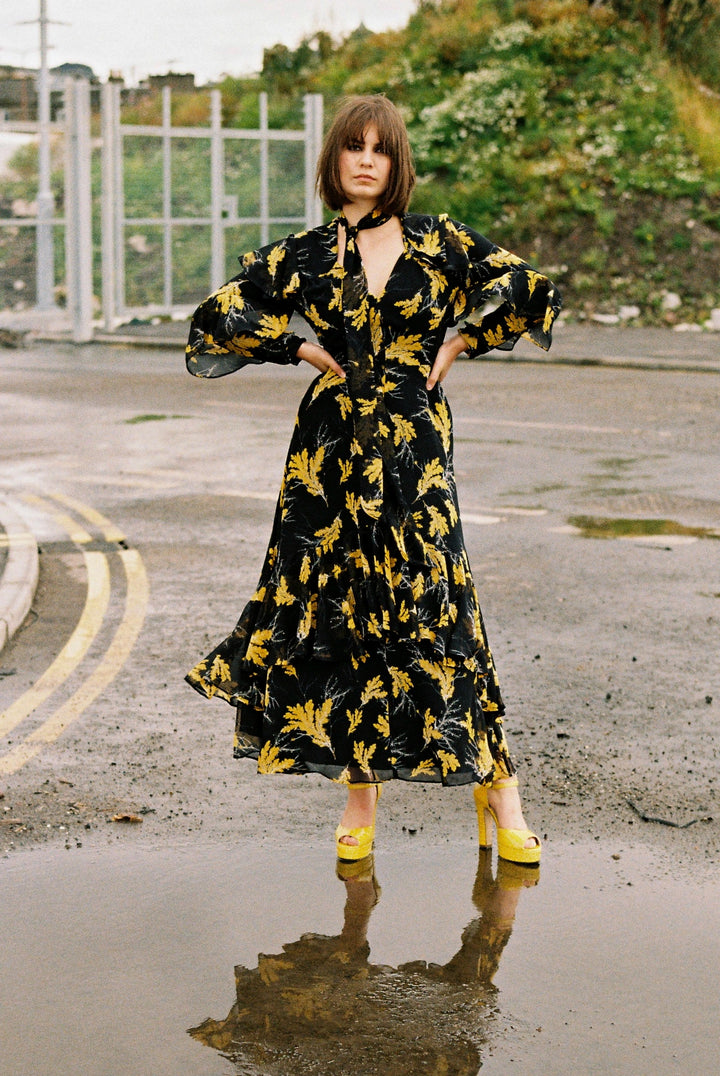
pixel 364 835
pixel 511 842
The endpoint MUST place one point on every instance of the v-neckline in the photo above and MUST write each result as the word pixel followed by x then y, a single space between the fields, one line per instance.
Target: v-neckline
pixel 339 264
pixel 379 295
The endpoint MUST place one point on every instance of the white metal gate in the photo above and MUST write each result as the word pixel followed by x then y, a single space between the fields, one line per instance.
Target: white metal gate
pixel 118 216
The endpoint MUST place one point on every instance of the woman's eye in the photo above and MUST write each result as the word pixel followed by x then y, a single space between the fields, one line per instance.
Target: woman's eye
pixel 354 147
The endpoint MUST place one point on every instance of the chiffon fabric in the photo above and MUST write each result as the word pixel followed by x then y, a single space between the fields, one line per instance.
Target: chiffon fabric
pixel 363 646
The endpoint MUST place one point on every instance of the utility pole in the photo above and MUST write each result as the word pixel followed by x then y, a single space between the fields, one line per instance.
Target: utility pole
pixel 45 255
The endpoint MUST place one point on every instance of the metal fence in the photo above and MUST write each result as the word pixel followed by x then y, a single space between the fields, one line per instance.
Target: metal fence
pixel 168 203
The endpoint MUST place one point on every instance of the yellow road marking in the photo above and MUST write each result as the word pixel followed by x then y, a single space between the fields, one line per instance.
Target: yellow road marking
pixel 75 649
pixel 110 531
pixel 69 525
pixel 117 654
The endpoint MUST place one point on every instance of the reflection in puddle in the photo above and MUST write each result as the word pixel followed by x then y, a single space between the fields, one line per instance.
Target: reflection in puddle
pixel 321 1006
pixel 608 527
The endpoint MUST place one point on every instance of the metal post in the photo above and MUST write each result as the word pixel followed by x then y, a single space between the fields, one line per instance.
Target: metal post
pixel 118 206
pixel 167 196
pixel 45 269
pixel 313 110
pixel 264 173
pixel 107 214
pixel 78 209
pixel 217 193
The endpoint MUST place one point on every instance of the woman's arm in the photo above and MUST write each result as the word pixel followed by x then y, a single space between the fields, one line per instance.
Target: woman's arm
pixel 318 357
pixel 446 356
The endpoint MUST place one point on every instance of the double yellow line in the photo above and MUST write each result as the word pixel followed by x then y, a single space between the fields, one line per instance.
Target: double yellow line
pixel 86 630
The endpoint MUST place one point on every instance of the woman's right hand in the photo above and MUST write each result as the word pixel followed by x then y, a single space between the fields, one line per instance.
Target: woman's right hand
pixel 318 357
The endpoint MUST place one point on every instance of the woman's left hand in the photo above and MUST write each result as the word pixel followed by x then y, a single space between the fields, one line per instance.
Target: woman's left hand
pixel 444 359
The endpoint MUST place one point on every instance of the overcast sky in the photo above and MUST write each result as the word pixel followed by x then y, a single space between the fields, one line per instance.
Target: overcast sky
pixel 207 37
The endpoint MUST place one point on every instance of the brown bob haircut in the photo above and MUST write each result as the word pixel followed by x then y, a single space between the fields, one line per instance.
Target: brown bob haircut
pixel 352 119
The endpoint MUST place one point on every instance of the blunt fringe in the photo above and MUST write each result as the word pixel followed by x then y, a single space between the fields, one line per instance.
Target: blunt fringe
pixel 352 119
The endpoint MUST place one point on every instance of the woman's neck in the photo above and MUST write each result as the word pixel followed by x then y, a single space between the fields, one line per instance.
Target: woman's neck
pixel 355 211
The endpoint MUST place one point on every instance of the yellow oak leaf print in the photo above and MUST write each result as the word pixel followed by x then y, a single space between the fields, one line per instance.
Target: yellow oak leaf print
pixel 244 345
pixel 404 349
pixel 269 760
pixel 515 324
pixel 306 469
pixel 310 721
pixel 459 576
pixel 376 332
pixel 417 586
pixel 373 470
pixel 270 326
pixel 438 281
pixel 359 315
pixel 438 522
pixel 309 618
pixel 305 569
pixel 501 257
pixel 436 316
pixel 433 476
pixel 292 286
pixel 440 418
pixel 456 233
pixel 492 339
pixel 533 279
pixel 430 243
pixel 329 535
pixel 314 317
pixel 373 690
pixel 404 429
pixel 382 725
pixel 444 674
pixel 426 766
pixel 549 313
pixel 366 407
pixel 219 670
pixel 354 718
pixel 230 296
pixel 430 729
pixel 451 511
pixel 401 680
pixel 408 307
pixel 274 258
pixel 256 651
pixel 363 755
pixel 283 596
pixel 371 508
pixel 448 762
pixel 345 470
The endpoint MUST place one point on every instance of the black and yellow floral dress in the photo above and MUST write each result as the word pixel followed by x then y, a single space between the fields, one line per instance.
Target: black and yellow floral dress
pixel 363 646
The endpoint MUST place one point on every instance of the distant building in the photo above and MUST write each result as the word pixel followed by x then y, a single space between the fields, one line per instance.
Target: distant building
pixel 18 90
pixel 18 93
pixel 181 83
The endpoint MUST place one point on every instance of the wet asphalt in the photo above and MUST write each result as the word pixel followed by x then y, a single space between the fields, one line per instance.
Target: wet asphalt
pixel 591 511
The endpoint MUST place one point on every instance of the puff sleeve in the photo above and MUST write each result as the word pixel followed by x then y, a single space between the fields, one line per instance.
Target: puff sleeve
pixel 246 321
pixel 526 302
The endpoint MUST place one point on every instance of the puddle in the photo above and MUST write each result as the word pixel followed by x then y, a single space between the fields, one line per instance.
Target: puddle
pixel 222 961
pixel 653 529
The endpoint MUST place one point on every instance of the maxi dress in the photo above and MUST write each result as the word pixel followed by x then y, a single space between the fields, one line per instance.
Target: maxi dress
pixel 363 647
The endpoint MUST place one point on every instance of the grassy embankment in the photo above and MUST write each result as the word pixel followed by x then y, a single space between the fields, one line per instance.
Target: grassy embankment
pixel 561 130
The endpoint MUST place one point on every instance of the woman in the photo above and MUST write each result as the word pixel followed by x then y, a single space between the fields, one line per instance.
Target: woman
pixel 362 655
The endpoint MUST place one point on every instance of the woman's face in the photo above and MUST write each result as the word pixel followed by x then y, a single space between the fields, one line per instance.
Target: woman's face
pixel 364 168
